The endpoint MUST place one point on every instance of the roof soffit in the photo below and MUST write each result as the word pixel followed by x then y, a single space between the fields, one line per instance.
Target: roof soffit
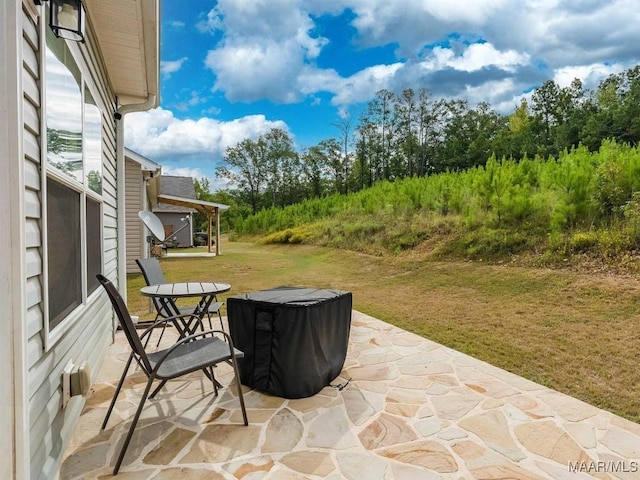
pixel 128 33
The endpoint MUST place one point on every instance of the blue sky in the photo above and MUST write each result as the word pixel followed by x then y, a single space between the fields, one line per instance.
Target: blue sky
pixel 234 69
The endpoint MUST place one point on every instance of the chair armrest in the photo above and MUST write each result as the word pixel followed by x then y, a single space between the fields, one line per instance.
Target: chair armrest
pixel 207 332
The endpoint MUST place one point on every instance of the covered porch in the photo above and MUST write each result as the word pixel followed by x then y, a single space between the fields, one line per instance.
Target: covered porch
pixel 210 210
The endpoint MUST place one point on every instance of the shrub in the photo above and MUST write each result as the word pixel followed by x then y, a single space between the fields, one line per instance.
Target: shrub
pixel 581 242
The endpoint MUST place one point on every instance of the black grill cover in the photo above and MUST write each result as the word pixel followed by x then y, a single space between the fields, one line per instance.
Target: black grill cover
pixel 294 339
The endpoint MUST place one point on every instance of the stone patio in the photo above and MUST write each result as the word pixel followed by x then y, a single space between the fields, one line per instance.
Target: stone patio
pixel 413 410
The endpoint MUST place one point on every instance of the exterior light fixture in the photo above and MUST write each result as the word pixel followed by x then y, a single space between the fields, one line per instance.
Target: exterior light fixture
pixel 66 19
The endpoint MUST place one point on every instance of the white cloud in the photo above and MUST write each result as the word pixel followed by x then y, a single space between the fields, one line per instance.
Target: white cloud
pixel 268 49
pixel 193 99
pixel 211 23
pixel 478 50
pixel 183 172
pixel 253 71
pixel 158 135
pixel 169 67
pixel 266 46
pixel 413 24
pixel 361 86
pixel 591 75
pixel 494 92
pixel 187 147
pixel 476 57
pixel 471 12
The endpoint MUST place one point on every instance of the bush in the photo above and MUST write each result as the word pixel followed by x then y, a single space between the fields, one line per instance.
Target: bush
pixel 581 242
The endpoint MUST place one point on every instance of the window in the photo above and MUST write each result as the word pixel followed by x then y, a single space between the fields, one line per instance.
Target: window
pixel 64 109
pixel 92 138
pixel 94 243
pixel 73 180
pixel 64 247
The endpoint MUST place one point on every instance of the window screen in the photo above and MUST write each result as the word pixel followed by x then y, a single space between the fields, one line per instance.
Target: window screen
pixel 64 251
pixel 94 244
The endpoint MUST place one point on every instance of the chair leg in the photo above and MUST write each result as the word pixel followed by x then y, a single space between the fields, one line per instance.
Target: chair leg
pixel 146 342
pixel 133 426
pixel 240 397
pixel 161 335
pixel 115 395
pixel 155 392
pixel 214 381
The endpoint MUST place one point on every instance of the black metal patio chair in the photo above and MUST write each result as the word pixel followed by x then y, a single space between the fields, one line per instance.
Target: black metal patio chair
pixel 201 351
pixel 153 275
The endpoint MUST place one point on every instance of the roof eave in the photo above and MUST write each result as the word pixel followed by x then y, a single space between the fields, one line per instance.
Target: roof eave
pixel 199 205
pixel 139 86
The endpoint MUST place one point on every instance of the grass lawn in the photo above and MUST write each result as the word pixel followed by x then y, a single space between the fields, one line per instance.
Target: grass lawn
pixel 577 333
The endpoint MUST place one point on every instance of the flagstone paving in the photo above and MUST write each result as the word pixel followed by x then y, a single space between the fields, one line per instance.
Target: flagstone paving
pixel 412 410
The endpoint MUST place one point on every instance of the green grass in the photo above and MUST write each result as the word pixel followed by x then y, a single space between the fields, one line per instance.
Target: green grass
pixel 577 333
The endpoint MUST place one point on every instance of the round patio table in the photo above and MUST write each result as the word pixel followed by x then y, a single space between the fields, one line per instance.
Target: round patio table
pixel 168 293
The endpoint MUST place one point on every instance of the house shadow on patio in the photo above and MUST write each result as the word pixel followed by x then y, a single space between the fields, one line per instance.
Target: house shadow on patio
pixel 413 410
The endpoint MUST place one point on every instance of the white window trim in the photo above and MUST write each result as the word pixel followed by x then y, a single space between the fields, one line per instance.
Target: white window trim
pixel 53 336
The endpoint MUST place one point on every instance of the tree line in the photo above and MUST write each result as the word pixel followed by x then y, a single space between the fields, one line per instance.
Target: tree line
pixel 414 134
pixel 579 203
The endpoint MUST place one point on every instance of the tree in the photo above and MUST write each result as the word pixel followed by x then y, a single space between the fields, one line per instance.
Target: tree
pixel 330 149
pixel 248 162
pixel 366 151
pixel 344 126
pixel 546 105
pixel 282 167
pixel 485 124
pixel 456 137
pixel 266 171
pixel 406 112
pixel 314 169
pixel 379 114
pixel 515 138
pixel 202 188
pixel 237 208
pixel 430 120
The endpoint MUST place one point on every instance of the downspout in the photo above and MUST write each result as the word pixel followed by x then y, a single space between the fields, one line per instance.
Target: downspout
pixel 120 185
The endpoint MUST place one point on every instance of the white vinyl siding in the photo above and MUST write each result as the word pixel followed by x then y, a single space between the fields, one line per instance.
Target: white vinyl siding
pixel 133 200
pixel 86 339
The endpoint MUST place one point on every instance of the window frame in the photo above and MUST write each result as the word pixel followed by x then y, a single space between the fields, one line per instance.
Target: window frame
pixel 52 335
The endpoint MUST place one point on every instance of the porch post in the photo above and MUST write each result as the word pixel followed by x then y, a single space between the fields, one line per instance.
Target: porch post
pixel 209 232
pixel 217 232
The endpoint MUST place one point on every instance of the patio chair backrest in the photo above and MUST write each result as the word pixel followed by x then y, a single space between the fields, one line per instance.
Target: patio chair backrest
pixel 124 318
pixel 152 273
pixel 151 270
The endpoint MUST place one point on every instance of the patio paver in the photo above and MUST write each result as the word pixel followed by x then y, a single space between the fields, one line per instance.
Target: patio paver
pixel 412 410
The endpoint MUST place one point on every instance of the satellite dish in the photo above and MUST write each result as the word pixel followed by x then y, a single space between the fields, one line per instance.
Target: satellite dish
pixel 153 223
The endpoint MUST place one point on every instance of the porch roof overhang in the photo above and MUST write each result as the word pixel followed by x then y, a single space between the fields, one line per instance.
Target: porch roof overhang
pixel 210 210
pixel 206 208
pixel 128 35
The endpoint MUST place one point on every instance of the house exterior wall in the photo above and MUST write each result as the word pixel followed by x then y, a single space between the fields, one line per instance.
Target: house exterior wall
pixel 134 200
pixel 172 221
pixel 41 427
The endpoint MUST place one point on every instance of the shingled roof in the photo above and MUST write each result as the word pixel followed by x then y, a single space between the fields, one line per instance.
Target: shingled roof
pixel 176 187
